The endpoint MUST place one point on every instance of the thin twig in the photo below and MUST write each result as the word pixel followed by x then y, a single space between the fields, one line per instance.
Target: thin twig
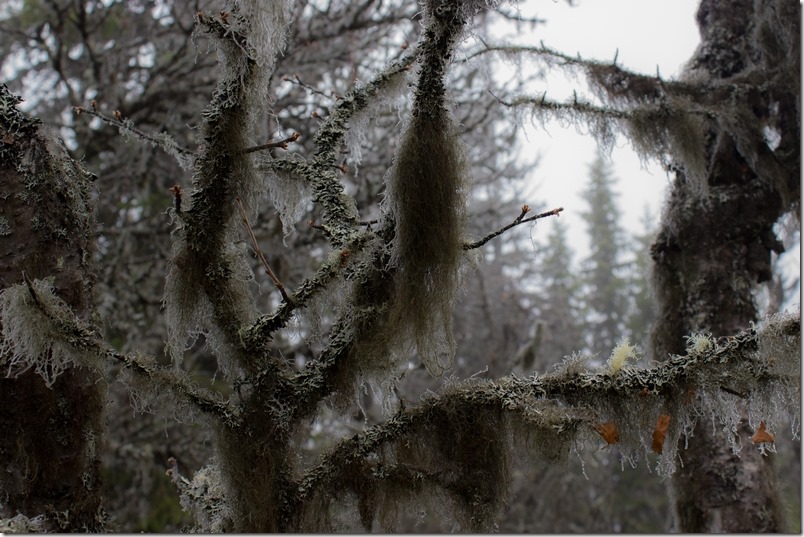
pixel 733 392
pixel 120 122
pixel 270 272
pixel 296 79
pixel 282 144
pixel 176 190
pixel 519 220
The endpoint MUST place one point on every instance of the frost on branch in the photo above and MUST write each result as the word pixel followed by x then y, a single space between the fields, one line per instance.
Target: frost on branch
pixel 455 448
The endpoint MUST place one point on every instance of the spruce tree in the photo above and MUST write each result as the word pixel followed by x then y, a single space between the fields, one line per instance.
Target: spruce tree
pixel 558 331
pixel 604 291
pixel 641 310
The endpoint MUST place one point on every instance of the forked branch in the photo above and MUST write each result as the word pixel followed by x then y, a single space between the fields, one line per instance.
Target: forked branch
pixel 519 220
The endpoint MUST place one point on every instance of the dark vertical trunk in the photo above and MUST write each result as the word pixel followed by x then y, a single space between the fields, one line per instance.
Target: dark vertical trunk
pixel 704 279
pixel 714 244
pixel 51 441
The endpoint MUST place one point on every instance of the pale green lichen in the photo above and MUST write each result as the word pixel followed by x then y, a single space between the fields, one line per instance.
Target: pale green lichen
pixel 620 355
pixel 388 97
pixel 204 497
pixel 36 333
pixel 699 343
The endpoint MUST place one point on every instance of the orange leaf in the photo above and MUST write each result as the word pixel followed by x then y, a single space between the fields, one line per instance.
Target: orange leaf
pixel 762 435
pixel 609 432
pixel 660 432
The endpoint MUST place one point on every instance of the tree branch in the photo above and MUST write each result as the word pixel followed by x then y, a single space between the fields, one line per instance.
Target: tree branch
pixel 567 403
pixel 85 339
pixel 266 325
pixel 338 217
pixel 519 220
pixel 162 140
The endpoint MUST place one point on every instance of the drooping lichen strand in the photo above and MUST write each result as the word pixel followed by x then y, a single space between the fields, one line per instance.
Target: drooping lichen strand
pixel 452 450
pixel 37 333
pixel 206 289
pixel 426 200
pixel 376 332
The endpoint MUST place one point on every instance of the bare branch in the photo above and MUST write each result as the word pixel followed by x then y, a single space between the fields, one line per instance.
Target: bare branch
pixel 282 144
pixel 258 251
pixel 518 220
pixel 163 141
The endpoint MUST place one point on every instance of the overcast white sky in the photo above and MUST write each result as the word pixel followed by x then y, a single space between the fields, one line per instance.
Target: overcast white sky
pixel 646 34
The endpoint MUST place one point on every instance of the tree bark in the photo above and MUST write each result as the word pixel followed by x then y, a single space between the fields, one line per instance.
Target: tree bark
pixel 51 442
pixel 715 242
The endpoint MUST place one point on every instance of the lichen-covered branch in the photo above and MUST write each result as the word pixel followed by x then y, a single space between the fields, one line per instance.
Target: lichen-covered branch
pixel 620 81
pixel 62 340
pixel 206 288
pixel 339 213
pixel 666 117
pixel 163 141
pixel 554 411
pixel 333 267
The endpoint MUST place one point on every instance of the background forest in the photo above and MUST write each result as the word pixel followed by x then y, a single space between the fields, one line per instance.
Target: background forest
pixel 124 83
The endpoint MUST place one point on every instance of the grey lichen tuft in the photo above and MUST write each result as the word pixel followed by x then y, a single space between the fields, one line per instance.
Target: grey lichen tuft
pixel 287 189
pixel 190 311
pixel 426 202
pixel 36 333
pixel 23 524
pixel 426 198
pixel 204 497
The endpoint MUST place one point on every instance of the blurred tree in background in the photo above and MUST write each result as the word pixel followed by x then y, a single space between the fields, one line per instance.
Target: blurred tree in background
pixel 605 283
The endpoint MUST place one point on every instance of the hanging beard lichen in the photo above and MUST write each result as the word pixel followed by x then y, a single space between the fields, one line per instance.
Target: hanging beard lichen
pixel 426 198
pixel 426 209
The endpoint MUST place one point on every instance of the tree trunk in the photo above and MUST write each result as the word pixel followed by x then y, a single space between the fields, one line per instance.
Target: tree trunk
pixel 51 441
pixel 715 242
